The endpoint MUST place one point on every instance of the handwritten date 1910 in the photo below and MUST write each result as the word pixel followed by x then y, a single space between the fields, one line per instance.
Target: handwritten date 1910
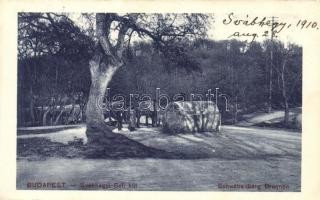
pixel 305 24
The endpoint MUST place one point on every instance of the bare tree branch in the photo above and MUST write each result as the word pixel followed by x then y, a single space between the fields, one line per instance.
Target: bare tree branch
pixel 121 35
pixel 103 24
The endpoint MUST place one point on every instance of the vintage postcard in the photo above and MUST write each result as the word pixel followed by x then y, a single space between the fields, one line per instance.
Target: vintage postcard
pixel 209 97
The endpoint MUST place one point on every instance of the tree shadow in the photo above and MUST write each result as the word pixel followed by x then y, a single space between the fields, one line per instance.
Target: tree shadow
pixel 118 146
pixel 39 148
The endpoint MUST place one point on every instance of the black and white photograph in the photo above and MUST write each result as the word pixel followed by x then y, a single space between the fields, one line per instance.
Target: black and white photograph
pixel 159 100
pixel 156 102
pixel 139 99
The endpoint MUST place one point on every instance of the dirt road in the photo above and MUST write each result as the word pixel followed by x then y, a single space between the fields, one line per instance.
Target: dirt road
pixel 238 159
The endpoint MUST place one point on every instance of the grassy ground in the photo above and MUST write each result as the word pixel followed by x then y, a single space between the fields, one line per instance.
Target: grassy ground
pixel 211 162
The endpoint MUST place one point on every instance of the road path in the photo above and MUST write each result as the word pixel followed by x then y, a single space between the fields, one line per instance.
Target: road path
pixel 238 157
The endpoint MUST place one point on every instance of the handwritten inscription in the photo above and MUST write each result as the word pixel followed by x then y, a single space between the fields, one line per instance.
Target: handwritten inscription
pixel 270 26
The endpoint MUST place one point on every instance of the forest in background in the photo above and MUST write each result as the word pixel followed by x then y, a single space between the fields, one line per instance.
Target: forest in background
pixel 53 71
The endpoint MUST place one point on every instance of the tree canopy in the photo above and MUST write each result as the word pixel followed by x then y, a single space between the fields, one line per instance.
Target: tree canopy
pixel 167 51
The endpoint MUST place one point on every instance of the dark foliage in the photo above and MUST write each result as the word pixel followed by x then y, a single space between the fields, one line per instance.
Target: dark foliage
pixel 54 54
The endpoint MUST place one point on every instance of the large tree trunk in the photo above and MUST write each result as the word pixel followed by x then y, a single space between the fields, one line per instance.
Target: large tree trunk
pixel 101 70
pixel 101 74
pixel 106 61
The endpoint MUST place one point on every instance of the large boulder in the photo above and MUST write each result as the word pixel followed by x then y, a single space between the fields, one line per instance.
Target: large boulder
pixel 191 116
